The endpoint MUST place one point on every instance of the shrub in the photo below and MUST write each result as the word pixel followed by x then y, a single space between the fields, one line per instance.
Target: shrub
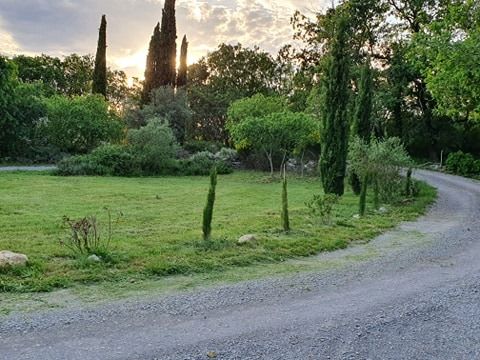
pixel 322 206
pixel 380 161
pixel 201 163
pixel 85 236
pixel 461 163
pixel 79 165
pixel 227 155
pixel 195 146
pixel 113 160
pixel 80 124
pixel 155 147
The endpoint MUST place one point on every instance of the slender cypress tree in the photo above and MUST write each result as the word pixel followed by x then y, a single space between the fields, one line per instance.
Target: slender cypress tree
pixel 363 111
pixel 182 71
pixel 285 216
pixel 99 85
pixel 151 68
pixel 168 46
pixel 333 162
pixel 363 196
pixel 208 210
pixel 362 122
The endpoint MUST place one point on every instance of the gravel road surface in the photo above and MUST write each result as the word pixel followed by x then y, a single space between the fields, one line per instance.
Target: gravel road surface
pixel 416 297
pixel 28 168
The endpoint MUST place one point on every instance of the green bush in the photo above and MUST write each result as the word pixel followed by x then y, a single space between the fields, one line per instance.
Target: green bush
pixel 196 146
pixel 113 160
pixel 321 207
pixel 155 146
pixel 461 163
pixel 80 124
pixel 151 150
pixel 201 163
pixel 227 155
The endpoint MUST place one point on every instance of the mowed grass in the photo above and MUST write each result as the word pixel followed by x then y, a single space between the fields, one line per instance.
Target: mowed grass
pixel 160 234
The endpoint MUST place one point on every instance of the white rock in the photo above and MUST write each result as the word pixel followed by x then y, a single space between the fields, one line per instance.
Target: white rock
pixel 94 259
pixel 356 216
pixel 383 210
pixel 8 258
pixel 247 239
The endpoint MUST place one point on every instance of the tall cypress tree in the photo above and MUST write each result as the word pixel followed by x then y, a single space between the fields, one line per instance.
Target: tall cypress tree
pixel 168 46
pixel 152 66
pixel 362 121
pixel 99 85
pixel 362 125
pixel 182 71
pixel 333 162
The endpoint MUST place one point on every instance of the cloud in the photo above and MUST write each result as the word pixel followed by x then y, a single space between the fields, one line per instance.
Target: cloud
pixel 8 45
pixel 65 26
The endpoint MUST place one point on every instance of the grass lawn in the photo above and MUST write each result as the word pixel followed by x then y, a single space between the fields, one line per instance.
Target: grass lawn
pixel 159 233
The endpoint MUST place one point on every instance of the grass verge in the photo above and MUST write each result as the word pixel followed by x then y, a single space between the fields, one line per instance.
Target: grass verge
pixel 159 234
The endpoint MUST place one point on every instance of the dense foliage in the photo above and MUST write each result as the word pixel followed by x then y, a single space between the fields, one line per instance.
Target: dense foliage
pixel 79 124
pixel 276 136
pixel 464 164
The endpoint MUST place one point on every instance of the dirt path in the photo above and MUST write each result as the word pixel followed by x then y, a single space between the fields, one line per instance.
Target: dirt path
pixel 416 297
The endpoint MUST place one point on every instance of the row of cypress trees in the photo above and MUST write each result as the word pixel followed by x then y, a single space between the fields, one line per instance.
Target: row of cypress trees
pixel 161 67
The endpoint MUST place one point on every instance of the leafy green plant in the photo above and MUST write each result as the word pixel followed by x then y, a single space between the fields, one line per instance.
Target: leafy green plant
pixel 208 210
pixel 80 124
pixel 155 146
pixel 321 207
pixel 201 163
pixel 461 163
pixel 112 160
pixel 379 163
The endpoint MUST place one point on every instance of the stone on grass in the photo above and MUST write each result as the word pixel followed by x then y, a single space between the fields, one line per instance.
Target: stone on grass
pixel 94 259
pixel 247 239
pixel 9 258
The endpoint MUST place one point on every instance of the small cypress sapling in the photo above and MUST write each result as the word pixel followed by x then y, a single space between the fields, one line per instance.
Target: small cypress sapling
pixel 408 183
pixel 208 210
pixel 285 217
pixel 376 194
pixel 363 196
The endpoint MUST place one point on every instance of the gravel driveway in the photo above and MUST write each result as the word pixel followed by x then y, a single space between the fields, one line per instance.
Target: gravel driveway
pixel 28 168
pixel 416 296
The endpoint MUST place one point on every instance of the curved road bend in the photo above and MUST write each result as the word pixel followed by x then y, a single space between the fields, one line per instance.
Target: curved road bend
pixel 417 297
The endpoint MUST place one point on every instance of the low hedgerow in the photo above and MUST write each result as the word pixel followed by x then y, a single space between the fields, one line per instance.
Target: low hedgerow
pixel 461 163
pixel 117 160
pixel 149 151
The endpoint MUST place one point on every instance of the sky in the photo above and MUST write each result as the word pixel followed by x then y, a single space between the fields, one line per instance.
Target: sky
pixel 62 27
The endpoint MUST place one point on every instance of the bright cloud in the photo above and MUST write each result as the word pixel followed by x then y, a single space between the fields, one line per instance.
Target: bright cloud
pixel 66 26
